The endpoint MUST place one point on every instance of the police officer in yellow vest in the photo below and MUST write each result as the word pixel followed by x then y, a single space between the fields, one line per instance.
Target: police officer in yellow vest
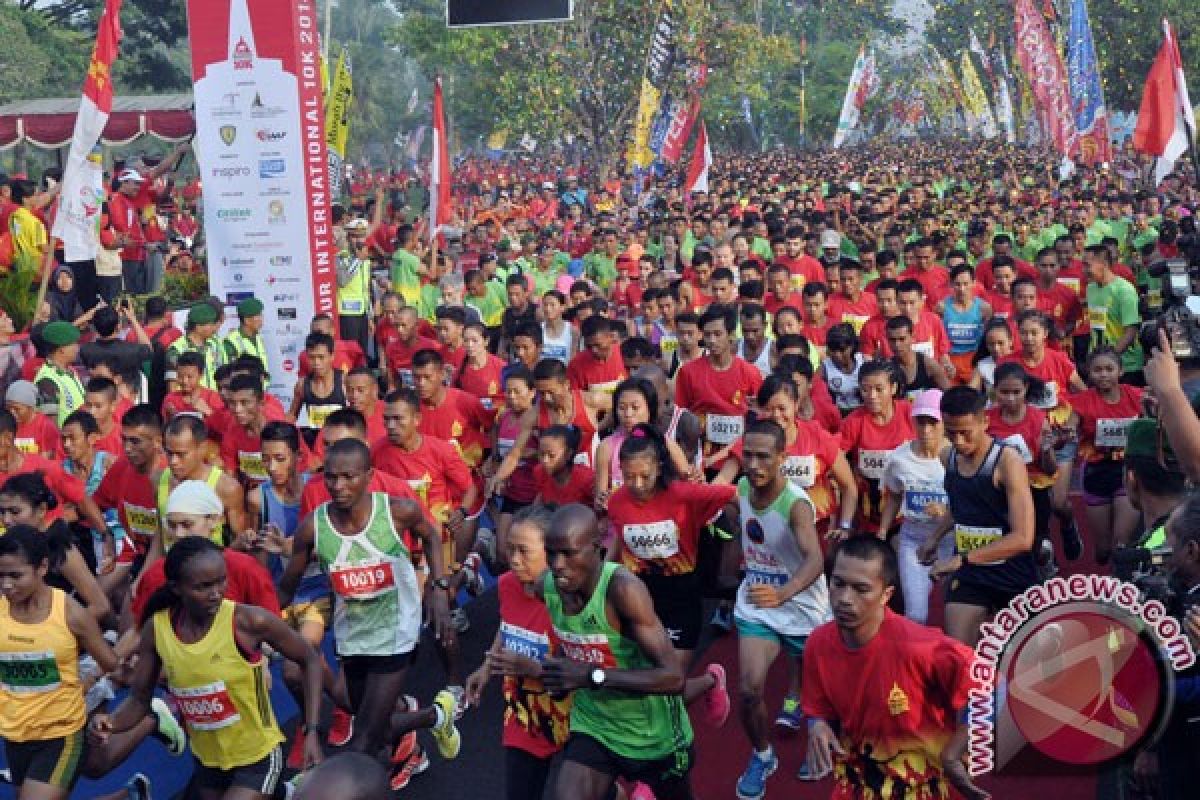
pixel 247 339
pixel 56 381
pixel 354 285
pixel 200 336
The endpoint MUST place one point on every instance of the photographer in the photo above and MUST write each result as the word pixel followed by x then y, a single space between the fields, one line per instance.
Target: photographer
pixel 1179 421
pixel 1154 480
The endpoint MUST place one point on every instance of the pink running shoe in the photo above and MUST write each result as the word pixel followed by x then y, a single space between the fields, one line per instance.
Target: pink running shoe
pixel 641 792
pixel 341 728
pixel 716 699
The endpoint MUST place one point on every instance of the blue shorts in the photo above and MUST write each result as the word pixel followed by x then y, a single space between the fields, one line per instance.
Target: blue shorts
pixel 793 644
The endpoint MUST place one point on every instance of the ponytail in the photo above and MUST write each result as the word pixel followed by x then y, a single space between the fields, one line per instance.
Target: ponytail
pixel 645 439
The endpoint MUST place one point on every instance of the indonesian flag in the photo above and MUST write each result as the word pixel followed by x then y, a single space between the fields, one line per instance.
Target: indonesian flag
pixel 697 177
pixel 77 222
pixel 1166 122
pixel 440 208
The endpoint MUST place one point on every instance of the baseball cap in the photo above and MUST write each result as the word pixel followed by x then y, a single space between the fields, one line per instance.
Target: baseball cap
pixel 928 404
pixel 130 175
pixel 830 239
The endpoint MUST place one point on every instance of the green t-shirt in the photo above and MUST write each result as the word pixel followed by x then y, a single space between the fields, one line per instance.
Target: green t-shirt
pixel 491 306
pixel 600 268
pixel 406 278
pixel 1110 310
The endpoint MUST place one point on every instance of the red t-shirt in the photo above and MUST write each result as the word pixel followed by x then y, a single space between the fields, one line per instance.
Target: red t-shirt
pixel 1061 303
pixel 111 442
pixel 66 487
pixel 935 281
pixel 867 445
pixel 241 453
pixel 817 334
pixel 485 382
pixel 983 272
pixel 40 435
pixel 855 312
pixel 534 721
pixel 896 702
pixel 454 357
pixel 578 489
pixel 928 336
pixel 1024 437
pixel 1103 425
pixel 772 304
pixel 435 472
pixel 661 536
pixel 586 373
pixel 400 355
pixel 175 403
pixel 461 420
pixel 805 270
pixel 872 339
pixel 246 582
pixel 809 462
pixel 703 389
pixel 1055 371
pixel 132 495
pixel 347 355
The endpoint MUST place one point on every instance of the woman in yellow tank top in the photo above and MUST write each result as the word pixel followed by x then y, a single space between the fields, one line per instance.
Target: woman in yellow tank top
pixel 42 706
pixel 210 650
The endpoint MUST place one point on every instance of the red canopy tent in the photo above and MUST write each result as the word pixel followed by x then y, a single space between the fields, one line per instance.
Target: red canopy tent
pixel 48 123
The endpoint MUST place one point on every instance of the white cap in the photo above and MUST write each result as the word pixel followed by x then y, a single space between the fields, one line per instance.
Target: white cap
pixel 358 225
pixel 548 184
pixel 194 497
pixel 830 239
pixel 130 175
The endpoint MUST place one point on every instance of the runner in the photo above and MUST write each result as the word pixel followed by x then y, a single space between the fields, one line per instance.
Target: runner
pixel 559 477
pixel 918 371
pixel 783 596
pixel 964 315
pixel 184 441
pixel 627 715
pixel 36 433
pixel 127 486
pixel 885 697
pixel 190 396
pixel 322 391
pixel 598 366
pixel 520 489
pixel 870 433
pixel 997 344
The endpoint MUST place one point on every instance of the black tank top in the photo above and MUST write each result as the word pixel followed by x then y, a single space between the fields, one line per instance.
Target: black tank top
pixel 921 378
pixel 319 408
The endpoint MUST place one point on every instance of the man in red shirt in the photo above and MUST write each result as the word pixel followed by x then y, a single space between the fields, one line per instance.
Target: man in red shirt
pixel 449 414
pixel 125 216
pixel 126 486
pixel 1002 246
pixel 191 397
pixel 803 268
pixel 598 366
pixel 884 696
pixel 36 433
pixel 872 340
pixel 934 278
pixel 929 334
pixel 346 354
pixel 780 291
pixel 717 387
pixel 241 442
pixel 99 400
pixel 1059 301
pixel 398 358
pixel 852 305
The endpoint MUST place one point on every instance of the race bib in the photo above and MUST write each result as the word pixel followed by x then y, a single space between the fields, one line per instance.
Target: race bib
pixel 963 334
pixel 207 708
pixel 523 642
pixel 251 465
pixel 1154 298
pixel 142 521
pixel 406 378
pixel 608 387
pixel 362 580
pixel 1113 432
pixel 555 351
pixel 855 321
pixel 1017 442
pixel 652 539
pixel 973 537
pixel 29 673
pixel 668 345
pixel 504 446
pixel 919 496
pixel 27 445
pixel 872 462
pixel 1050 395
pixel 762 576
pixel 801 470
pixel 589 648
pixel 924 348
pixel 1071 283
pixel 722 429
pixel 797 281
pixel 1097 317
pixel 319 415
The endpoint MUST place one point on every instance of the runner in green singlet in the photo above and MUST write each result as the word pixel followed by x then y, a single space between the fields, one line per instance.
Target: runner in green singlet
pixel 627 717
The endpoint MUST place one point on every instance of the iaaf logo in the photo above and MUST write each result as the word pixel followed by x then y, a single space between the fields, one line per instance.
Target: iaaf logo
pixel 265 135
pixel 1080 668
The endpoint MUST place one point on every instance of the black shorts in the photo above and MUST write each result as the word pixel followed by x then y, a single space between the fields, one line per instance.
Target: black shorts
pixel 357 668
pixel 262 776
pixel 971 592
pixel 1104 479
pixel 678 603
pixel 56 762
pixel 660 774
pixel 506 505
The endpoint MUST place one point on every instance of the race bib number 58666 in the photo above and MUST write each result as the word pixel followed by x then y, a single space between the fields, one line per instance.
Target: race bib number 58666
pixel 652 539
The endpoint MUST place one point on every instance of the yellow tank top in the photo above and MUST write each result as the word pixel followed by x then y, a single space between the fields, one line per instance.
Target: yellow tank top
pixel 164 493
pixel 40 694
pixel 223 698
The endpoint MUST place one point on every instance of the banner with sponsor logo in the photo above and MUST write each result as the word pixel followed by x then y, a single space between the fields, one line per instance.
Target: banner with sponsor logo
pixel 260 146
pixel 658 67
pixel 337 120
pixel 851 105
pixel 1092 144
pixel 1039 58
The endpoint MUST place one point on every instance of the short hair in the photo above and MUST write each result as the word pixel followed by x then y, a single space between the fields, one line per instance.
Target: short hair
pixel 187 423
pixel 280 431
pixel 85 421
pixel 909 285
pixel 726 315
pixel 870 548
pixel 516 279
pixel 961 401
pixel 349 447
pixel 530 330
pixel 899 323
pixel 723 274
pixel 347 418
pixel 191 358
pixel 753 311
pixel 638 347
pixel 550 369
pixel 959 269
pixel 841 336
pixel 815 288
pixel 687 318
pixel 519 372
pixel 102 386
pixel 594 326
pixel 453 314
pixel 405 395
pixel 247 383
pixel 106 320
pixel 770 428
pixel 143 415
pixel 314 340
pixel 427 357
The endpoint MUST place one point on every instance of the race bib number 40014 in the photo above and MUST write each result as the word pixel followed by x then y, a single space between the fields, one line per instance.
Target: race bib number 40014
pixel 652 539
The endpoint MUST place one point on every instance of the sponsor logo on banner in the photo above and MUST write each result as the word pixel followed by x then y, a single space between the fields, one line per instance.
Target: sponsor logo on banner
pixel 280 261
pixel 286 313
pixel 286 298
pixel 234 214
pixel 265 135
pixel 237 262
pixel 228 134
pixel 233 298
pixel 271 168
pixel 289 365
pixel 275 215
pixel 230 173
pixel 242 57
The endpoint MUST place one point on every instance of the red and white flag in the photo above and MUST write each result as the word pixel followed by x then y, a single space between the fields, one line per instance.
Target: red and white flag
pixel 1166 123
pixel 697 177
pixel 440 209
pixel 77 222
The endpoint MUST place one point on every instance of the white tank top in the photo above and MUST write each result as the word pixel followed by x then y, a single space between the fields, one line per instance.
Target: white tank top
pixel 843 386
pixel 763 362
pixel 557 347
pixel 772 557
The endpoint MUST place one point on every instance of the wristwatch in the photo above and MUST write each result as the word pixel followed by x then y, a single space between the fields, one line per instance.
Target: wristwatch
pixel 597 678
pixel 442 583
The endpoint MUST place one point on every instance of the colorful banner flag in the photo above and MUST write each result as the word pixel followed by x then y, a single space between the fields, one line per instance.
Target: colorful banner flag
pixel 658 68
pixel 337 119
pixel 851 105
pixel 976 104
pixel 440 206
pixel 1038 56
pixel 497 139
pixel 697 176
pixel 77 222
pixel 1092 144
pixel 679 128
pixel 260 146
pixel 1005 112
pixel 1166 124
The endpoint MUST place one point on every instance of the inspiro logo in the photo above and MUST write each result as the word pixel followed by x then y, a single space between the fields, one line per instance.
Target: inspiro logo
pixel 1079 668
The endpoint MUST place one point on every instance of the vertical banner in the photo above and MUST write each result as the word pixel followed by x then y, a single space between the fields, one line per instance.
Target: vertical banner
pixel 851 106
pixel 1039 58
pixel 976 100
pixel 260 146
pixel 658 67
pixel 1093 144
pixel 337 120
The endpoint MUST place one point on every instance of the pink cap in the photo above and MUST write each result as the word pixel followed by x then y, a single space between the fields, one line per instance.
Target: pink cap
pixel 928 404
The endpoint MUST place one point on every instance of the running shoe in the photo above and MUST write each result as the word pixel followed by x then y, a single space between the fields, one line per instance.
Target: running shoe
pixel 446 734
pixel 790 715
pixel 806 774
pixel 722 619
pixel 5 775
pixel 461 704
pixel 641 791
pixel 341 728
pixel 295 759
pixel 472 568
pixel 408 742
pixel 169 731
pixel 716 699
pixel 1072 543
pixel 138 787
pixel 417 763
pixel 459 620
pixel 753 783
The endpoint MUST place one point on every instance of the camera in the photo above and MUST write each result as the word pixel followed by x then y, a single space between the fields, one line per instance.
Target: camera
pixel 1145 569
pixel 1180 315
